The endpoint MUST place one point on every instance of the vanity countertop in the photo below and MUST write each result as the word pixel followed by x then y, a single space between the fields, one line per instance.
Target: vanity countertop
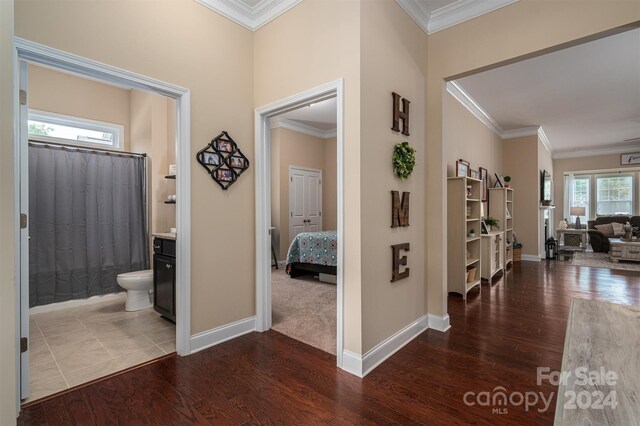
pixel 165 235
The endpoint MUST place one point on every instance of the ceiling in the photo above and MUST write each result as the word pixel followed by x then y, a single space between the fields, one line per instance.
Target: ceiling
pixel 318 119
pixel 585 98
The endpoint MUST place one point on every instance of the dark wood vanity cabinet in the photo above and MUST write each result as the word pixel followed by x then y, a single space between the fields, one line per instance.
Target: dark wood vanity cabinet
pixel 164 277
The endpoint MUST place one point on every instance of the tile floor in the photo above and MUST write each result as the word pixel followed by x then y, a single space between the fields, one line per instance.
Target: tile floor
pixel 75 345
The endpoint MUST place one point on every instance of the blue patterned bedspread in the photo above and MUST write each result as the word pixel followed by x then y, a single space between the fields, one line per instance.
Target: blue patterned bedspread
pixel 320 248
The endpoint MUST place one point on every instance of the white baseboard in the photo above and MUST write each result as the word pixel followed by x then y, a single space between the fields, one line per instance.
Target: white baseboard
pixel 212 337
pixel 363 365
pixel 439 322
pixel 78 302
pixel 531 258
pixel 352 363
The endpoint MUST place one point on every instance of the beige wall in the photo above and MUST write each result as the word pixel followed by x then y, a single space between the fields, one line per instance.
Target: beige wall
pixel 468 138
pixel 565 165
pixel 150 134
pixel 8 348
pixel 519 29
pixel 132 37
pixel 393 59
pixel 68 94
pixel 290 148
pixel 291 59
pixel 520 162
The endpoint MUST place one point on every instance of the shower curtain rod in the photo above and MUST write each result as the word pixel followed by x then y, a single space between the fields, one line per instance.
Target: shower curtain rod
pixel 53 145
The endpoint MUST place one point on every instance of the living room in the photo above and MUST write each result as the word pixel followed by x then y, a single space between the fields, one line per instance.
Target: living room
pixel 577 122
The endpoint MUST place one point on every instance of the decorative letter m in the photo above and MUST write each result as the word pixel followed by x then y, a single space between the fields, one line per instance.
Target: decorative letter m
pixel 399 211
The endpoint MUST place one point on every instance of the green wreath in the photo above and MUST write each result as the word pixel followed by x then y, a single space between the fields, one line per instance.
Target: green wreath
pixel 404 160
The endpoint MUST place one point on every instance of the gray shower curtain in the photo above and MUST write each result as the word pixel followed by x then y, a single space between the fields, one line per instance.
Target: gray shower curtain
pixel 87 220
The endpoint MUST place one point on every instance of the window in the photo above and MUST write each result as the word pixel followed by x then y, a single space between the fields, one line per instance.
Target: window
pixel 52 127
pixel 614 195
pixel 581 196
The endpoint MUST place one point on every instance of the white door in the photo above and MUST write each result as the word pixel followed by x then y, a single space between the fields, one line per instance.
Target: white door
pixel 23 153
pixel 305 201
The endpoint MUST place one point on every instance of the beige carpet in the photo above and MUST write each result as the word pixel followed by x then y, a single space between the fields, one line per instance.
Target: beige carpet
pixel 602 260
pixel 304 309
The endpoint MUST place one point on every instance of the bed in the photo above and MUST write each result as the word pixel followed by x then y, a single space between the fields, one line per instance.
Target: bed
pixel 313 253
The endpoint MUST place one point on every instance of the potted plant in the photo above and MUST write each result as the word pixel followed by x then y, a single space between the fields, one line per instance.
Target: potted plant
pixel 507 179
pixel 491 222
pixel 472 233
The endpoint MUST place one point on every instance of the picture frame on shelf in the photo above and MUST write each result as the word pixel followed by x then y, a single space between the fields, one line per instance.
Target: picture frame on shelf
pixel 475 174
pixel 484 177
pixel 484 229
pixel 499 183
pixel 462 168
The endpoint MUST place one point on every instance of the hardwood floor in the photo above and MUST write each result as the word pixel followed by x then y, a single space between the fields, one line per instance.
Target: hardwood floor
pixel 497 339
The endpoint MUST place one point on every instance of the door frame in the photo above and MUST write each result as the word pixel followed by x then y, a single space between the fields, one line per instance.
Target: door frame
pixel 304 169
pixel 263 200
pixel 39 54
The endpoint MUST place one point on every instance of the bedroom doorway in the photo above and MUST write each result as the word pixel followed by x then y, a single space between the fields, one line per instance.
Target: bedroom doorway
pixel 296 295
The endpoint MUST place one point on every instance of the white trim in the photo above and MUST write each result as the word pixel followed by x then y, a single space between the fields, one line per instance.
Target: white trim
pixel 530 258
pixel 542 137
pixel 252 18
pixel 461 11
pixel 263 202
pixel 449 15
pixel 439 322
pixel 361 366
pixel 352 363
pixel 463 97
pixel 212 337
pixel 519 133
pixel 287 123
pixel 52 307
pixel 60 60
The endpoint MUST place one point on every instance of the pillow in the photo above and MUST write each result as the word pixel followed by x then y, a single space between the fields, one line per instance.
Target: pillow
pixel 617 228
pixel 606 229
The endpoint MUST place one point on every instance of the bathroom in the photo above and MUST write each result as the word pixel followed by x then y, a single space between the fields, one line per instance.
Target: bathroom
pixel 101 208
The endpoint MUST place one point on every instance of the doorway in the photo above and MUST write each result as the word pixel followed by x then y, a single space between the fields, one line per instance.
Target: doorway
pixel 264 233
pixel 40 55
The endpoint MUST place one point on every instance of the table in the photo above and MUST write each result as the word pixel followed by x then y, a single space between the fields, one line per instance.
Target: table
pixel 572 239
pixel 624 250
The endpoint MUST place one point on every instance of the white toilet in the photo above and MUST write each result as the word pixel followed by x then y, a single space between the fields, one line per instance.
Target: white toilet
pixel 138 285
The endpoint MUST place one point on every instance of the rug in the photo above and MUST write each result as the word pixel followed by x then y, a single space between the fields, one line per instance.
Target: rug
pixel 602 339
pixel 602 260
pixel 304 309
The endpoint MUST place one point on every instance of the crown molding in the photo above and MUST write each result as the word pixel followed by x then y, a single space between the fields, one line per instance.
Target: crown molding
pixel 286 123
pixel 449 15
pixel 252 18
pixel 455 90
pixel 519 133
pixel 542 137
pixel 461 11
pixel 463 97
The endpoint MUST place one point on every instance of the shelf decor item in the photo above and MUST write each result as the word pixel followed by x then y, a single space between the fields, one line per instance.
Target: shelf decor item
pixel 404 160
pixel 484 177
pixel 491 222
pixel 507 179
pixel 223 160
pixel 462 168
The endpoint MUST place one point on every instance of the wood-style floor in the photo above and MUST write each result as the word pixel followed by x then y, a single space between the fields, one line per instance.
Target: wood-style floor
pixel 497 339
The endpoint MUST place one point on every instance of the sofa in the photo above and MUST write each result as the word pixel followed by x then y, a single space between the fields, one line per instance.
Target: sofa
pixel 599 232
